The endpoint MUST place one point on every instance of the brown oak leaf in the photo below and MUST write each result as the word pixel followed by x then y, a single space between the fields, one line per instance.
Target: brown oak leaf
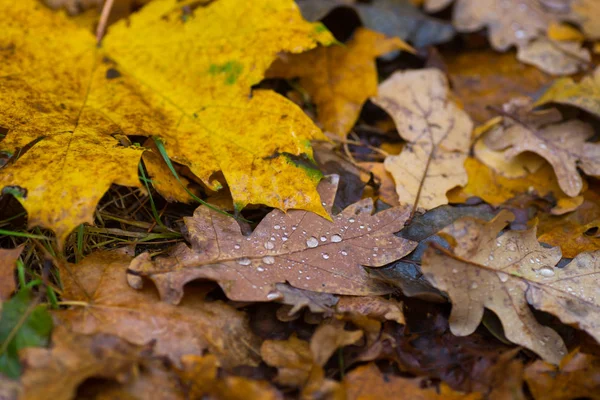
pixel 500 273
pixel 368 382
pixel 437 130
pixel 104 303
pixel 56 373
pixel 577 376
pixel 563 144
pixel 302 248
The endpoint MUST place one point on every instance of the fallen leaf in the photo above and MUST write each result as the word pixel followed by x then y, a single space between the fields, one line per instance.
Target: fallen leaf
pixel 153 379
pixel 292 358
pixel 570 293
pixel 297 298
pixel 584 95
pixel 55 373
pixel 104 303
pixel 570 231
pixel 200 375
pixel 509 23
pixel 519 166
pixel 73 96
pixel 498 273
pixel 330 336
pixel 564 145
pixel 339 79
pixel 564 32
pixel 438 133
pixel 298 247
pixel 368 382
pixel 391 17
pixel 556 58
pixel 577 376
pixel 495 189
pixel 486 78
pixel 24 323
pixel 373 307
pixel 8 262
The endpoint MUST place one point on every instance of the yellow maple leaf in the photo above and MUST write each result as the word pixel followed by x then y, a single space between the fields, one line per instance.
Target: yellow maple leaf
pixel 184 76
pixel 339 78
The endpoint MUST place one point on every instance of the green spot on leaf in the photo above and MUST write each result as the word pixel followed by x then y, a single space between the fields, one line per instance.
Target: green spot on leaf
pixel 305 162
pixel 231 70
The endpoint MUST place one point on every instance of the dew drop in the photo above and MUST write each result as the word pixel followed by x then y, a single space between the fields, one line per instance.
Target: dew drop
pixel 260 269
pixel 511 247
pixel 237 247
pixel 244 261
pixel 323 239
pixel 344 253
pixel 268 260
pixel 325 256
pixel 277 227
pixel 308 278
pixel 531 261
pixel 474 285
pixel 312 242
pixel 351 220
pixel 491 257
pixel 362 227
pixel 503 277
pixel 336 238
pixel 269 245
pixel 274 295
pixel 284 239
pixel 454 271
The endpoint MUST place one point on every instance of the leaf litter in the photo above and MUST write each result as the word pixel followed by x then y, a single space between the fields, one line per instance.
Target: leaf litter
pixel 441 241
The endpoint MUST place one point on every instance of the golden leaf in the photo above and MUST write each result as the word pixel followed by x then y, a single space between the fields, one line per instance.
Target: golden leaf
pixel 339 78
pixel 187 80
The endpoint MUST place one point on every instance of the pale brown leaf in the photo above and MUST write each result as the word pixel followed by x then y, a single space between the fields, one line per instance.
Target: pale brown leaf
pixel 438 133
pixel 8 259
pixel 487 271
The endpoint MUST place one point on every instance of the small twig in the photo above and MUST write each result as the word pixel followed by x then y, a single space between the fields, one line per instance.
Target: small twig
pixel 103 20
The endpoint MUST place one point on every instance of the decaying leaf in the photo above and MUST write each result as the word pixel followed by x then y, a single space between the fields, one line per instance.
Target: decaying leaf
pixel 584 95
pixel 563 144
pixel 391 17
pixel 577 376
pixel 574 232
pixel 509 22
pixel 106 304
pixel 298 247
pixel 438 133
pixel 556 58
pixel 499 273
pixel 339 79
pixel 373 307
pixel 8 260
pixel 330 336
pixel 300 364
pixel 55 373
pixel 485 78
pixel 192 89
pixel 495 189
pixel 292 358
pixel 369 383
pixel 570 293
pixel 200 376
